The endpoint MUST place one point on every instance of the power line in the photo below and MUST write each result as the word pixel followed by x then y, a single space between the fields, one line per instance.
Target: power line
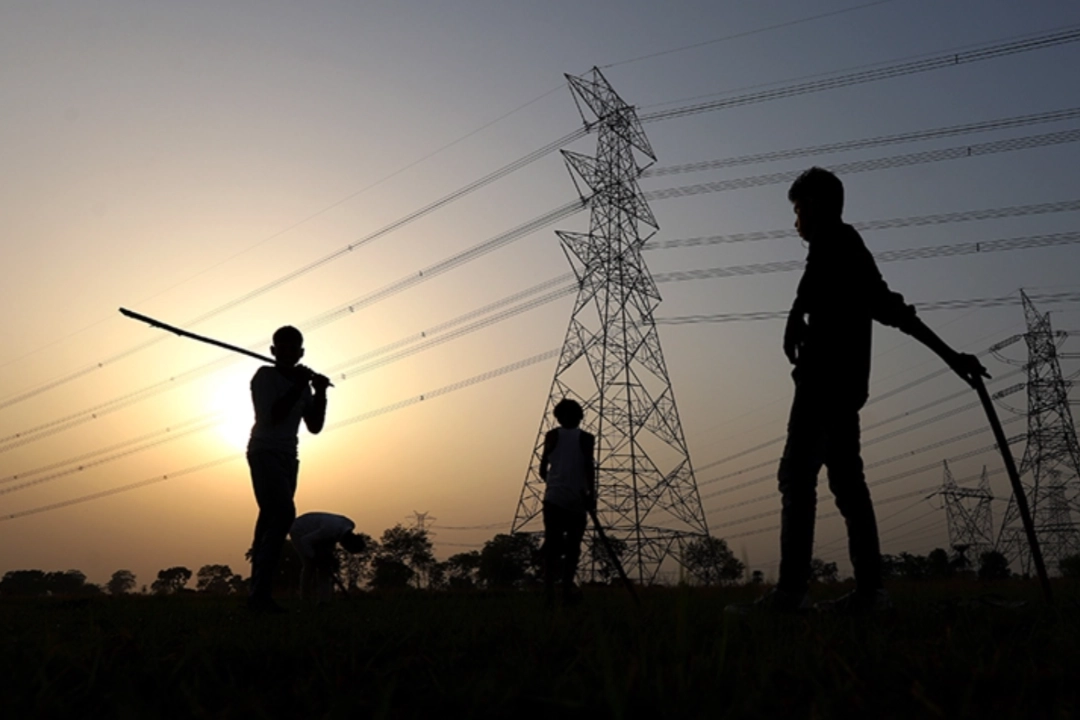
pixel 980 53
pixel 874 225
pixel 885 461
pixel 1025 44
pixel 109 458
pixel 461 384
pixel 865 143
pixel 1023 242
pixel 1026 142
pixel 745 33
pixel 544 220
pixel 882 481
pixel 307 218
pixel 991 302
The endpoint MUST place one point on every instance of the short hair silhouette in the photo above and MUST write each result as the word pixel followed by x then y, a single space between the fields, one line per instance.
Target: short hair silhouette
pixel 288 336
pixel 819 188
pixel 568 413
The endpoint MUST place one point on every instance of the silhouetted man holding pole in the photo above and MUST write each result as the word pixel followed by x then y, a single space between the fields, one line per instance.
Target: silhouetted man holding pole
pixel 283 395
pixel 828 339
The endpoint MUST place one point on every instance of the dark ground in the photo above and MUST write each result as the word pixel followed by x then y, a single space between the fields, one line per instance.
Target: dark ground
pixel 952 650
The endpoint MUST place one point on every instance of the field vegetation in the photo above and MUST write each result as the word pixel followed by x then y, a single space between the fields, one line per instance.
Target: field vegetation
pixel 956 648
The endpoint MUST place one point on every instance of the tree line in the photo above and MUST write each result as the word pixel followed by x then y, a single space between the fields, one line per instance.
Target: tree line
pixel 403 558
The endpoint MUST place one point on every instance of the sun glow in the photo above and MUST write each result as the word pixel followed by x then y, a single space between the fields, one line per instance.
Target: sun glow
pixel 231 403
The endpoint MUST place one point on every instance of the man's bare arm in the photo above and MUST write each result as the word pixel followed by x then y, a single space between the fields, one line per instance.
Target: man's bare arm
pixel 550 440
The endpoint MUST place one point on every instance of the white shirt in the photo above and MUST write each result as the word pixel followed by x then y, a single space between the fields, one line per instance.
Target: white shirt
pixel 566 472
pixel 268 385
pixel 315 528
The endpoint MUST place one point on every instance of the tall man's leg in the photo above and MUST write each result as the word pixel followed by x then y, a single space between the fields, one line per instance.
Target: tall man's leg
pixel 848 484
pixel 797 476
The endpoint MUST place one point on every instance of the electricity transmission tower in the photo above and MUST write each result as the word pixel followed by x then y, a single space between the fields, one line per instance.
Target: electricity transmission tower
pixel 611 362
pixel 969 515
pixel 421 520
pixel 1050 468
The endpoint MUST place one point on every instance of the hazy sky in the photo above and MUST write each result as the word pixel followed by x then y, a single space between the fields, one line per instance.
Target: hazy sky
pixel 180 158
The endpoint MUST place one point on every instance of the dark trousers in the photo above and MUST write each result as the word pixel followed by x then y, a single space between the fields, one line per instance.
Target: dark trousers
pixel 823 431
pixel 273 476
pixel 563 531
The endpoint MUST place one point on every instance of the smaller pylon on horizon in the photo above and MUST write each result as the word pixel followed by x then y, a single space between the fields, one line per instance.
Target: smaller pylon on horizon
pixel 420 521
pixel 969 515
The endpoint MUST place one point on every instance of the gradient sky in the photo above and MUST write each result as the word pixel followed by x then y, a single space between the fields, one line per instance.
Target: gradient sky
pixel 174 157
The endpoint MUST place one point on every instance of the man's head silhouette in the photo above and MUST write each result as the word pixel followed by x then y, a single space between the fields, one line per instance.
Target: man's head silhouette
pixel 817 197
pixel 288 346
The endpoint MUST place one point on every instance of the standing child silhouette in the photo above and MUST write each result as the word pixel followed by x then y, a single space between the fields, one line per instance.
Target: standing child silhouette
pixel 283 395
pixel 567 466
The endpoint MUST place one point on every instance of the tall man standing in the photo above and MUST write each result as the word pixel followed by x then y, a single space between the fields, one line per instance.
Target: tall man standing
pixel 283 395
pixel 827 339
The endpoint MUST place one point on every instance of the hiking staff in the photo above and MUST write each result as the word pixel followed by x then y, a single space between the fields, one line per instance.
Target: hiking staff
pixel 611 554
pixel 1018 489
pixel 201 338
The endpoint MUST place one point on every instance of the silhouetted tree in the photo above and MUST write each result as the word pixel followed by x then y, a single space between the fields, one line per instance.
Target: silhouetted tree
pixel 437 576
pixel 823 572
pixel 938 564
pixel 121 583
pixel 509 561
pixel 390 574
pixel 24 583
pixel 711 561
pixel 912 567
pixel 171 580
pixel 217 580
pixel 993 566
pixel 69 582
pixel 461 570
pixel 757 577
pixel 411 547
pixel 1070 566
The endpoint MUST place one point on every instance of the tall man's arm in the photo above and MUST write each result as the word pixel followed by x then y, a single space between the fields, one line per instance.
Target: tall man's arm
pixel 889 308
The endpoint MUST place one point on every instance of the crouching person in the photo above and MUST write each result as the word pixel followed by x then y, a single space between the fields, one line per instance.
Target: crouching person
pixel 315 535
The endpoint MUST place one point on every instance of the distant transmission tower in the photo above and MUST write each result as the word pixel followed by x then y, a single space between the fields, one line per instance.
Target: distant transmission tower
pixel 1050 469
pixel 611 362
pixel 421 520
pixel 969 515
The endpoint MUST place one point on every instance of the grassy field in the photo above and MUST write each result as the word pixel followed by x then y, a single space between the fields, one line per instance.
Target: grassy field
pixel 947 653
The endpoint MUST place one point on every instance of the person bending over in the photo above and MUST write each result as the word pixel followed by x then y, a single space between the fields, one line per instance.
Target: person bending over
pixel 315 535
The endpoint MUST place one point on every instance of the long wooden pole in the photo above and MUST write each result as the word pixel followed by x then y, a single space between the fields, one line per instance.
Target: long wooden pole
pixel 614 557
pixel 201 338
pixel 1018 489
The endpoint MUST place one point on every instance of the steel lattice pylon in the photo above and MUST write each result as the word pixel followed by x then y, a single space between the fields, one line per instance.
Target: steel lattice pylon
pixel 969 515
pixel 611 362
pixel 1050 468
